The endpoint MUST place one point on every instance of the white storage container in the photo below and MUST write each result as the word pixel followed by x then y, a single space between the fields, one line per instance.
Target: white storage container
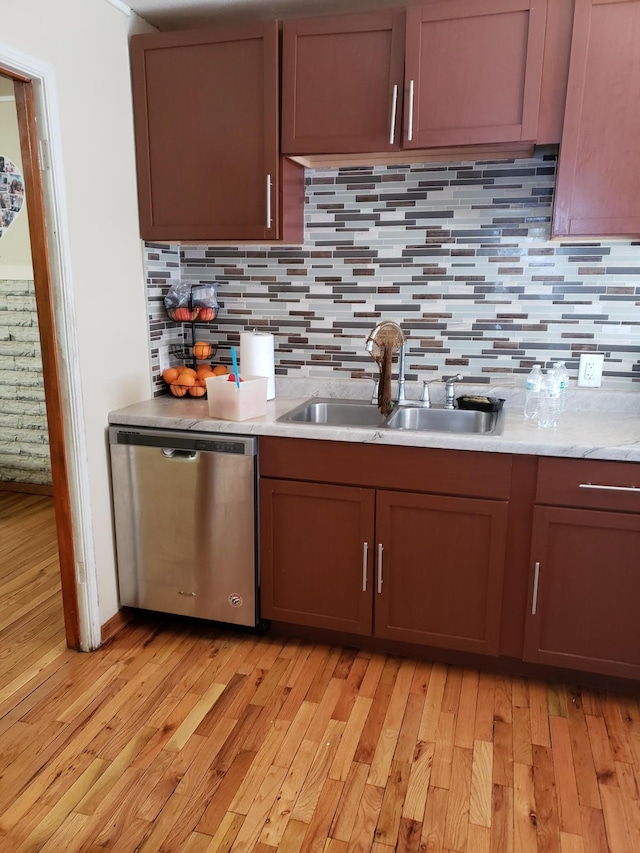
pixel 230 403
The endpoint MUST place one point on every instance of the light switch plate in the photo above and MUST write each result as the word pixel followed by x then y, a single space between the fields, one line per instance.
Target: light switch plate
pixel 590 371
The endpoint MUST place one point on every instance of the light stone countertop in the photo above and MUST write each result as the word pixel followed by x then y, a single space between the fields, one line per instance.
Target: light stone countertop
pixel 597 424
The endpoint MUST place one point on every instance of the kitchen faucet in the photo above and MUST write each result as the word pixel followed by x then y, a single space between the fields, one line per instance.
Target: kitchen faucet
pixel 402 398
pixel 385 340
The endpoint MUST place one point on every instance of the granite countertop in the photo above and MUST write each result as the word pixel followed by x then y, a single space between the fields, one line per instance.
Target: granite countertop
pixel 597 424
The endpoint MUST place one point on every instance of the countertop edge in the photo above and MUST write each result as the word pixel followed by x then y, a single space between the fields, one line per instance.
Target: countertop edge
pixel 613 436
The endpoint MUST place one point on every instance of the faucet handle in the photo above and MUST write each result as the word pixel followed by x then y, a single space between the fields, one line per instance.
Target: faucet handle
pixel 374 395
pixel 424 396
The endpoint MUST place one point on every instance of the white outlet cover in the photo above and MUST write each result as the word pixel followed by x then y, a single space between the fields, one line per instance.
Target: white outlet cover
pixel 590 371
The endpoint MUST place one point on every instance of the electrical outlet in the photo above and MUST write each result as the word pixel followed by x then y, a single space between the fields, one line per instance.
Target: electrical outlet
pixel 590 371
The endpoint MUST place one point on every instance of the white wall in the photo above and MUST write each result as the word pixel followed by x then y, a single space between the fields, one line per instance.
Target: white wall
pixel 86 42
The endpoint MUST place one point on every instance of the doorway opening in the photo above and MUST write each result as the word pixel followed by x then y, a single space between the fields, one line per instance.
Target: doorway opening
pixel 31 620
pixel 57 402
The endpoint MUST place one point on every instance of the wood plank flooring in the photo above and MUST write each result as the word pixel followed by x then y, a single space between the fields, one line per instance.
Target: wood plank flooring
pixel 181 738
pixel 31 617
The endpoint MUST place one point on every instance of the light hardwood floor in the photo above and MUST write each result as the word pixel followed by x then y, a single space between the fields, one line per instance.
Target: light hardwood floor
pixel 183 738
pixel 31 618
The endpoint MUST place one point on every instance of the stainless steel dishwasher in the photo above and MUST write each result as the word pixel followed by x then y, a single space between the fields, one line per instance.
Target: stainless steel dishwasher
pixel 185 522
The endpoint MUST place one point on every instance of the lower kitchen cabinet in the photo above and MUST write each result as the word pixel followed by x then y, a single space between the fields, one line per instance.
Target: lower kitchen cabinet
pixel 585 591
pixel 315 554
pixel 440 570
pixel 432 548
pixel 424 569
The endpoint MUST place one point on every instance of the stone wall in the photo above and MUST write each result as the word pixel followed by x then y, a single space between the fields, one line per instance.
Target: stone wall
pixel 24 440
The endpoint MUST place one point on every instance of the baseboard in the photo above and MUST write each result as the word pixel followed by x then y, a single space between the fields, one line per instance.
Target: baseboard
pixel 112 626
pixel 29 488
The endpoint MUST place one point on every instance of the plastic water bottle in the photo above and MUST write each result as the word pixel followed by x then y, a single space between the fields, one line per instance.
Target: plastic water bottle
pixel 532 394
pixel 549 411
pixel 563 376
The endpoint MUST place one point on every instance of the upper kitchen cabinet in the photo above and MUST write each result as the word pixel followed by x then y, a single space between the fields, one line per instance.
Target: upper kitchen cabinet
pixel 207 137
pixel 342 83
pixel 473 71
pixel 598 186
pixel 555 71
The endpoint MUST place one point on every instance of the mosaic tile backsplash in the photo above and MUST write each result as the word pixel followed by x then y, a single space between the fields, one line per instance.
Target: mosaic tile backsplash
pixel 458 254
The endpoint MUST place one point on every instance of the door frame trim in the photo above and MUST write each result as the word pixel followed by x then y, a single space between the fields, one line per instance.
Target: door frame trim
pixel 55 285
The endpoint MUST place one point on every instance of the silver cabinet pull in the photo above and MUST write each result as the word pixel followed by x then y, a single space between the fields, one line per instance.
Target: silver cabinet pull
pixel 380 550
pixel 410 130
pixel 268 201
pixel 365 560
pixel 394 106
pixel 536 578
pixel 609 488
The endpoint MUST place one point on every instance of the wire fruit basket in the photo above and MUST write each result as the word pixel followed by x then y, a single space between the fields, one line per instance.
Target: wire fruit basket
pixel 193 305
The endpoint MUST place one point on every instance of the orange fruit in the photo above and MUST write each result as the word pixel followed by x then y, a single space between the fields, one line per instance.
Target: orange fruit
pixel 178 390
pixel 197 391
pixel 220 370
pixel 189 371
pixel 205 374
pixel 201 350
pixel 170 374
pixel 181 367
pixel 203 368
pixel 185 379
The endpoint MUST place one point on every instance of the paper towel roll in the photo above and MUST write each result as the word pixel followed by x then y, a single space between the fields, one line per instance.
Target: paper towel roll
pixel 257 358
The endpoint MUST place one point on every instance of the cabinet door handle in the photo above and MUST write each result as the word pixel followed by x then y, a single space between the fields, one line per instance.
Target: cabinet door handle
pixel 394 107
pixel 410 130
pixel 380 550
pixel 365 560
pixel 268 201
pixel 536 579
pixel 609 488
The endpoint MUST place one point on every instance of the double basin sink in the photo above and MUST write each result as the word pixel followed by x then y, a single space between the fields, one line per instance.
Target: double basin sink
pixel 359 413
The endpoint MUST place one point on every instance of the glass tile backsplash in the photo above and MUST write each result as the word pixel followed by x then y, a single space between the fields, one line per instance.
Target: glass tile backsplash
pixel 458 254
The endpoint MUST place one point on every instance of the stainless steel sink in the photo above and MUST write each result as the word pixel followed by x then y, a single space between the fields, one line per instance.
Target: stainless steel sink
pixel 446 420
pixel 334 412
pixel 361 413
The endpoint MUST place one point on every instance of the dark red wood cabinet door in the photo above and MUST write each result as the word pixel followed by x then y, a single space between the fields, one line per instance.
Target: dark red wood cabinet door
pixel 342 83
pixel 598 186
pixel 473 71
pixel 555 71
pixel 315 555
pixel 585 593
pixel 439 571
pixel 206 119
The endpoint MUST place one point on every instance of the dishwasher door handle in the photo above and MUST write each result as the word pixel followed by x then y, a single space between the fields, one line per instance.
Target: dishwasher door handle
pixel 173 453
